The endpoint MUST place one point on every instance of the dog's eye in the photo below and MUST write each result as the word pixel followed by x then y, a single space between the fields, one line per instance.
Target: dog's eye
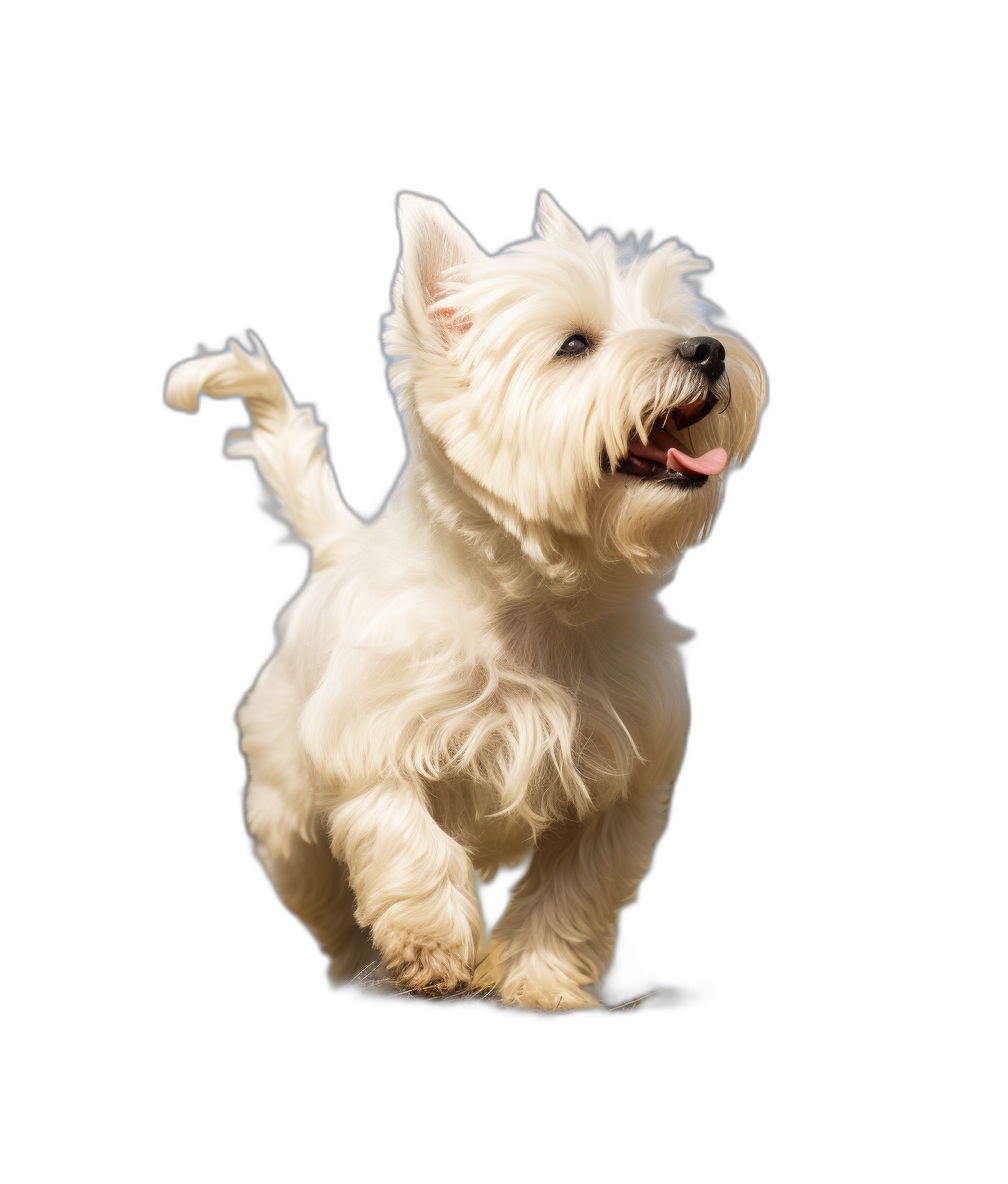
pixel 574 345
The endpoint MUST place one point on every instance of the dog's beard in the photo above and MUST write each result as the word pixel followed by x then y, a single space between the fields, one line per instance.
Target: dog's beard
pixel 646 524
pixel 645 512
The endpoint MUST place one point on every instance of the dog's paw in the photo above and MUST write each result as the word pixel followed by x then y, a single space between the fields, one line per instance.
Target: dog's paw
pixel 552 996
pixel 526 980
pixel 426 969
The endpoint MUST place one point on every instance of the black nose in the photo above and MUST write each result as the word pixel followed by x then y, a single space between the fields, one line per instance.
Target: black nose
pixel 706 353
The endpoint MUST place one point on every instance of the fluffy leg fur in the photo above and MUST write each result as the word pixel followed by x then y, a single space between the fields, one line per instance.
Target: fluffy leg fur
pixel 281 814
pixel 414 888
pixel 556 936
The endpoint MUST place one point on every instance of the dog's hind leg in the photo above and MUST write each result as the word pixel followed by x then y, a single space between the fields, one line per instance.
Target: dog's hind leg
pixel 290 838
pixel 314 886
pixel 414 887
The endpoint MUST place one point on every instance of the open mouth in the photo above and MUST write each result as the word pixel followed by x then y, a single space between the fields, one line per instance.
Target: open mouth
pixel 665 457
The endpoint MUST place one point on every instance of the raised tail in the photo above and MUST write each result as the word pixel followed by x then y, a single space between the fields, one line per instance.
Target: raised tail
pixel 284 440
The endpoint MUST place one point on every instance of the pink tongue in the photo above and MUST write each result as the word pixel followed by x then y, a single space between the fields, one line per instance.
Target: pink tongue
pixel 708 465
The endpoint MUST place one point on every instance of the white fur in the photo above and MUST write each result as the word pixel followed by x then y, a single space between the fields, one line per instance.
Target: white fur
pixel 485 667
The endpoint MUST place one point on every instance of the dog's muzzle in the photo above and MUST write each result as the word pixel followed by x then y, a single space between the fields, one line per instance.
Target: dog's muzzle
pixel 664 456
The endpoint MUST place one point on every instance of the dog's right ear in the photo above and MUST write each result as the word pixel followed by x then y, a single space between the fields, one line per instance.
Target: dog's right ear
pixel 432 243
pixel 553 225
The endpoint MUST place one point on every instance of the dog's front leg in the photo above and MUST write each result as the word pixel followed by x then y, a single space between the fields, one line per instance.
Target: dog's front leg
pixel 414 887
pixel 556 936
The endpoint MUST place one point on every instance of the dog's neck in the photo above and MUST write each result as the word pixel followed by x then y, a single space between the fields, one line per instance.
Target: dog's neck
pixel 529 567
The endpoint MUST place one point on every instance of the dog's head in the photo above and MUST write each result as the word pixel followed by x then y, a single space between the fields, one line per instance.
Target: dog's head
pixel 569 386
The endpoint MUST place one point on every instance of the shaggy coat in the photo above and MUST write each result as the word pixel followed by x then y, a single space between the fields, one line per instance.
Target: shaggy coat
pixel 484 671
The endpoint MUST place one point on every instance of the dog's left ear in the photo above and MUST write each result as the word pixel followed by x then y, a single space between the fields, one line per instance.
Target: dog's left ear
pixel 553 225
pixel 432 243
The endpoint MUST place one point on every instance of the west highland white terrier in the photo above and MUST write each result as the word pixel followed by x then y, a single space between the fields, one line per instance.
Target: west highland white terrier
pixel 484 671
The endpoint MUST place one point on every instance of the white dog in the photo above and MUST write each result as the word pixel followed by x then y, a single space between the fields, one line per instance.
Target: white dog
pixel 484 670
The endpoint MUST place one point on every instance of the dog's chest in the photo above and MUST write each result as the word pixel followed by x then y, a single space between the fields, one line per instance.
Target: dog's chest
pixel 599 703
pixel 488 712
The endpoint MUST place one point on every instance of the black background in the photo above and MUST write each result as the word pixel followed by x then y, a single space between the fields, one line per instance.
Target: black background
pixel 301 248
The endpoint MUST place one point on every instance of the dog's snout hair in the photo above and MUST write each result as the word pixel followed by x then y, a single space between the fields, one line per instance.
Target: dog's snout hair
pixel 701 383
pixel 687 414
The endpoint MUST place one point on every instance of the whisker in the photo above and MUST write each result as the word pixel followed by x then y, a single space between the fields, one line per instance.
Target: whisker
pixel 727 402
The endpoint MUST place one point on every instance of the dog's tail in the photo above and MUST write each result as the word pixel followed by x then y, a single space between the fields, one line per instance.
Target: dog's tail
pixel 284 440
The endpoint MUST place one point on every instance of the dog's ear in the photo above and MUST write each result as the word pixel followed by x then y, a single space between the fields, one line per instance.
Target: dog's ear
pixel 432 243
pixel 553 225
